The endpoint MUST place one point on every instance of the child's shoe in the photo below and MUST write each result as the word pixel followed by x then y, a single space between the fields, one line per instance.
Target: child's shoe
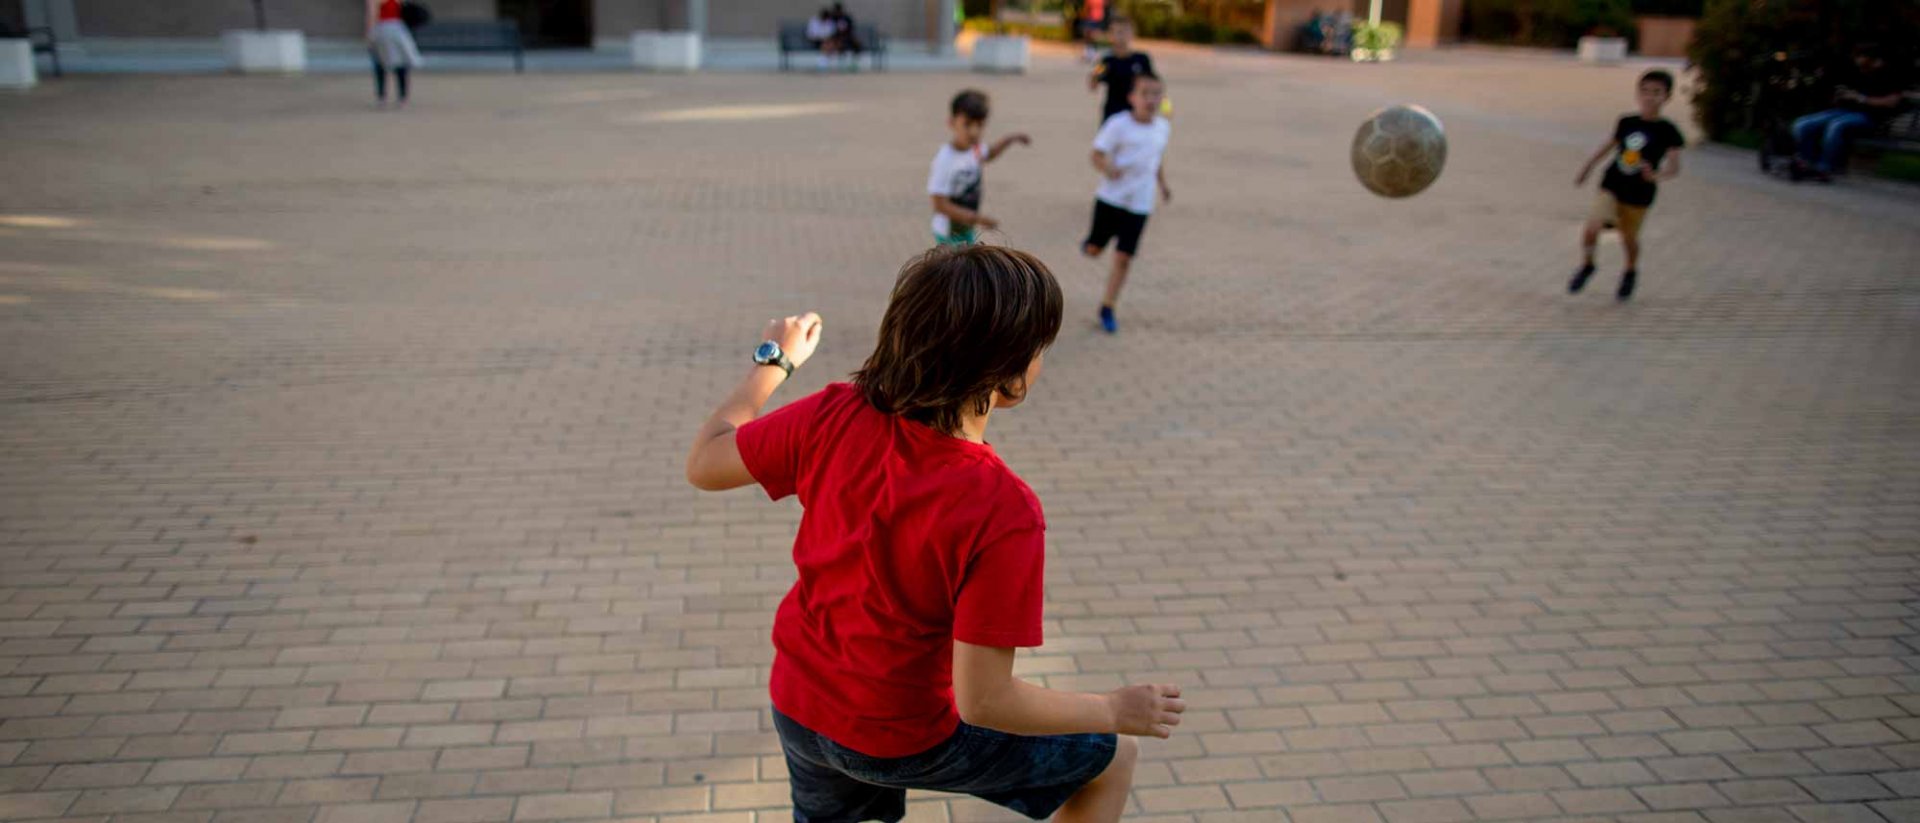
pixel 1106 320
pixel 1627 279
pixel 1580 279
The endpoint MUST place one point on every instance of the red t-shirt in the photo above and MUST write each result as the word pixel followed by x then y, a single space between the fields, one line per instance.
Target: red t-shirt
pixel 390 10
pixel 910 539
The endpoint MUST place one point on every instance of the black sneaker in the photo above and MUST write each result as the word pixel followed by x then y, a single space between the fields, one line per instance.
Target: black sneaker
pixel 1580 279
pixel 1626 284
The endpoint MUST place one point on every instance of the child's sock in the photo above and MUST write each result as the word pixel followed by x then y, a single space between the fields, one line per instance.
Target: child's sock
pixel 1106 320
pixel 1627 279
pixel 1580 279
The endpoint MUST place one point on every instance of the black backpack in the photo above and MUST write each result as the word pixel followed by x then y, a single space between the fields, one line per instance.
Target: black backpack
pixel 415 14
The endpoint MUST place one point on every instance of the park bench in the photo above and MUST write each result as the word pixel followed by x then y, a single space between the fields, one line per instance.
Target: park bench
pixel 42 38
pixel 793 38
pixel 472 36
pixel 1900 133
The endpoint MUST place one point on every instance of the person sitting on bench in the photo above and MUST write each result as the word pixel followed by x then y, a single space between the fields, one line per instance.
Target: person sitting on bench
pixel 1870 97
pixel 824 33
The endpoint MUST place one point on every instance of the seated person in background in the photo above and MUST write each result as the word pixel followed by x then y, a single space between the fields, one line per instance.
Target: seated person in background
pixel 824 33
pixel 1869 97
pixel 847 36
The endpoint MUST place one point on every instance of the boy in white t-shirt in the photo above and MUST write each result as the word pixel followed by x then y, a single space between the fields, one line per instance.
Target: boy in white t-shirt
pixel 954 180
pixel 1127 152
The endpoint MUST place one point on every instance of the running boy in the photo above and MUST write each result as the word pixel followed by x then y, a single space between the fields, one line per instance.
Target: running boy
pixel 954 180
pixel 920 561
pixel 1120 69
pixel 1127 152
pixel 1646 151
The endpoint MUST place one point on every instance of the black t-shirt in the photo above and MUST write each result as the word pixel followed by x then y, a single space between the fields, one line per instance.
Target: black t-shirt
pixel 1118 74
pixel 1873 84
pixel 1640 143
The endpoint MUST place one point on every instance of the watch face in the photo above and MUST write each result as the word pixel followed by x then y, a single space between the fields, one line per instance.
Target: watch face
pixel 767 353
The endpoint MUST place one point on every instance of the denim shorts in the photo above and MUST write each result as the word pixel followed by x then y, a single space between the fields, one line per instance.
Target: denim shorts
pixel 1031 775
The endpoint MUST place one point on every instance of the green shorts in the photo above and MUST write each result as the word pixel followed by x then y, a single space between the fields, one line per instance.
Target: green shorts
pixel 957 236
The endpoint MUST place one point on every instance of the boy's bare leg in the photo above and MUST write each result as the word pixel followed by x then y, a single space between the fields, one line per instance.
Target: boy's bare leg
pixel 1589 237
pixel 1118 279
pixel 1104 799
pixel 1630 243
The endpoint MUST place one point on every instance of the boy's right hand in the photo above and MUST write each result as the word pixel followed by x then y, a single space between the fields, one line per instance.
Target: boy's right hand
pixel 985 222
pixel 1113 172
pixel 1146 710
pixel 1582 179
pixel 798 336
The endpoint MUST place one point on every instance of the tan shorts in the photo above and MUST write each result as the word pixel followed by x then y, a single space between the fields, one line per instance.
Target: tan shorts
pixel 1613 214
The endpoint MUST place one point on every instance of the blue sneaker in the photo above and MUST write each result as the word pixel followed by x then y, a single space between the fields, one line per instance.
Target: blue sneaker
pixel 1106 320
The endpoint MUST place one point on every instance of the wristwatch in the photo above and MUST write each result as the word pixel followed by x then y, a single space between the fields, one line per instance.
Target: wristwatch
pixel 769 354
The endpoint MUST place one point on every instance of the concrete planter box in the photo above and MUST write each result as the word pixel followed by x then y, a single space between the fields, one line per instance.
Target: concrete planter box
pixel 1664 36
pixel 16 64
pixel 265 52
pixel 1603 49
pixel 1001 54
pixel 677 51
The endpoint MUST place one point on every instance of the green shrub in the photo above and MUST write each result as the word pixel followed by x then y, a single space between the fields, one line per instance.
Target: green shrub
pixel 985 25
pixel 1374 38
pixel 1553 23
pixel 1735 38
pixel 1669 8
pixel 1228 35
pixel 1192 30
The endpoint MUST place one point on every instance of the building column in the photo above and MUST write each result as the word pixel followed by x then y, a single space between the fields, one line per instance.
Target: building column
pixel 57 15
pixel 697 17
pixel 943 29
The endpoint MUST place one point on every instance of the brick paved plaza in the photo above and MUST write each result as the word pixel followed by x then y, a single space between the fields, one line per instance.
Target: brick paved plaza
pixel 342 469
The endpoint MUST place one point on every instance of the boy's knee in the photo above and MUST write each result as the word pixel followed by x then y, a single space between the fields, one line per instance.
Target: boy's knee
pixel 1126 753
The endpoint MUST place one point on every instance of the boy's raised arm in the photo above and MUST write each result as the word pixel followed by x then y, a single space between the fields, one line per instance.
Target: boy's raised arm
pixel 988 695
pixel 714 463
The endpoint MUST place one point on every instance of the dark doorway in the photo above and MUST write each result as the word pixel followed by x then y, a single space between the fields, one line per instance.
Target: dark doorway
pixel 551 23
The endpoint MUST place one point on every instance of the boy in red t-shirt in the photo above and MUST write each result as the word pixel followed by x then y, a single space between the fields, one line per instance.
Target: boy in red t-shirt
pixel 920 557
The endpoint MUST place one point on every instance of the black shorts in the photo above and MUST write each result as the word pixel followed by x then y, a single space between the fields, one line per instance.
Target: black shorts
pixel 1110 222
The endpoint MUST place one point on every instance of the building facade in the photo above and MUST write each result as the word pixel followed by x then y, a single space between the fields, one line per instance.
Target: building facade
pixel 549 23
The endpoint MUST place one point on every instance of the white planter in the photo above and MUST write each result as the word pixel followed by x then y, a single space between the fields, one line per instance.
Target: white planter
pixel 1603 49
pixel 665 50
pixel 16 64
pixel 1000 54
pixel 265 52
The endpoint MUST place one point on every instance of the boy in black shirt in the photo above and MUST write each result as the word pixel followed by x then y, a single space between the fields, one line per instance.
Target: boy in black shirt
pixel 1118 69
pixel 1646 150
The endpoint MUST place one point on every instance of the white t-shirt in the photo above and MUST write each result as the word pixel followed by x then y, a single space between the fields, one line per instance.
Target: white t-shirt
pixel 1134 148
pixel 820 29
pixel 956 176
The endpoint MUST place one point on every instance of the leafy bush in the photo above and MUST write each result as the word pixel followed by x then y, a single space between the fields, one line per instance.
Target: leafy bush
pixel 1669 8
pixel 985 25
pixel 1553 23
pixel 1374 38
pixel 1192 30
pixel 1735 39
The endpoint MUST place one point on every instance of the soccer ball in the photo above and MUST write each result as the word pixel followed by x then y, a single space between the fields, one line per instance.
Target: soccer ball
pixel 1399 151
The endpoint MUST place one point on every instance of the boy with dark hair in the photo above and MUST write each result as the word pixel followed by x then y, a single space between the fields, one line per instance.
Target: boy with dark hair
pixel 1646 151
pixel 1127 153
pixel 1119 69
pixel 954 180
pixel 920 561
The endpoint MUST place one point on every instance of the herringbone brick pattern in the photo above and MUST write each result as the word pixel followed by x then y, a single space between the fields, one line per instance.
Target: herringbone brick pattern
pixel 341 470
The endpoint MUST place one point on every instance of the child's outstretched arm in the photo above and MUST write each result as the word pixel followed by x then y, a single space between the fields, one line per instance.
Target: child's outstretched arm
pixel 1587 169
pixel 1002 144
pixel 714 464
pixel 961 214
pixel 1104 165
pixel 1160 174
pixel 988 695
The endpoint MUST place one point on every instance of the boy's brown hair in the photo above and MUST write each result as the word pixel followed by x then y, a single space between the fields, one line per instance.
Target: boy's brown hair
pixel 963 323
pixel 971 104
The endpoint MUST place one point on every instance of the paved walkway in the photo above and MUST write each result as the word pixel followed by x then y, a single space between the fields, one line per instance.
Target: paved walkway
pixel 341 477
